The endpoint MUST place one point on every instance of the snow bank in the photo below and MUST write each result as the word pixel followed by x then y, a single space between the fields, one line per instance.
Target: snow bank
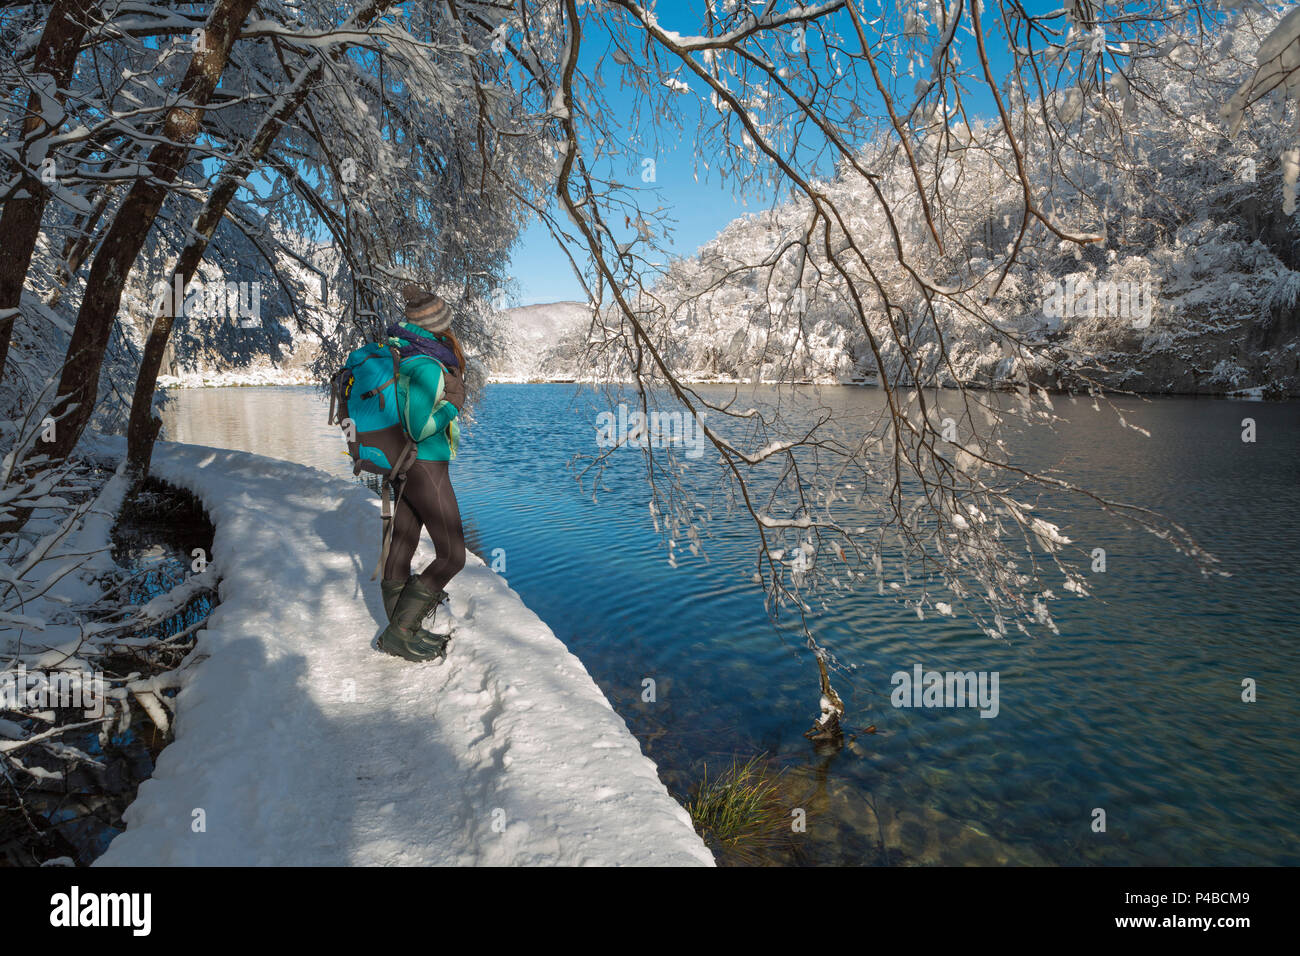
pixel 259 375
pixel 298 743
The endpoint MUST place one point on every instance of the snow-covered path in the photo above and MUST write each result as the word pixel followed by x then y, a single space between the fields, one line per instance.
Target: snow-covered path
pixel 302 744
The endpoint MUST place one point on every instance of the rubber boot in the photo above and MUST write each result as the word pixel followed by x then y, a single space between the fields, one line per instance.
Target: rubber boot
pixel 392 590
pixel 402 636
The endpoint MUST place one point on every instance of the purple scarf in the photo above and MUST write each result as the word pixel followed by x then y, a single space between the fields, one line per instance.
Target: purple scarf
pixel 415 344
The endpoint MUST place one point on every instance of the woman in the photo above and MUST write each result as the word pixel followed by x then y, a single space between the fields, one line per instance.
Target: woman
pixel 430 392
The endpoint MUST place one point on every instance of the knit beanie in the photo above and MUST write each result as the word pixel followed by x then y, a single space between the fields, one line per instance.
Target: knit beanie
pixel 426 309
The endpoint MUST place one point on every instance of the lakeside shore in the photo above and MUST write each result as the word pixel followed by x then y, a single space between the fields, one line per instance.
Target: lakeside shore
pixel 303 745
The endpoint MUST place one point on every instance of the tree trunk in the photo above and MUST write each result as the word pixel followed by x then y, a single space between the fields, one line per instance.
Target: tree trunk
pixel 826 730
pixel 79 384
pixel 142 431
pixel 20 223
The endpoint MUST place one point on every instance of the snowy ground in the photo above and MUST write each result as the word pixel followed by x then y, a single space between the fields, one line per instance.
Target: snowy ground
pixel 302 744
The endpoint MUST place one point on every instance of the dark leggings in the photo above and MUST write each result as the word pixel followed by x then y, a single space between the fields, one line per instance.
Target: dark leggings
pixel 429 501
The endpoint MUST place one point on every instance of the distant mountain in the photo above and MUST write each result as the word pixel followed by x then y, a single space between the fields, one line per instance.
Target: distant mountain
pixel 542 342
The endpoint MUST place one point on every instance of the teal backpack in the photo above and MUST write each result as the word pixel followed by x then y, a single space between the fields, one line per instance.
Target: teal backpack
pixel 363 401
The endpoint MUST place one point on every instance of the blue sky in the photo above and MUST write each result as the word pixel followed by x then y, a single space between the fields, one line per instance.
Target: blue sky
pixel 541 273
pixel 701 209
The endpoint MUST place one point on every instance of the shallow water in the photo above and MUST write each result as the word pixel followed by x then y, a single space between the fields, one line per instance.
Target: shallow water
pixel 76 814
pixel 1135 708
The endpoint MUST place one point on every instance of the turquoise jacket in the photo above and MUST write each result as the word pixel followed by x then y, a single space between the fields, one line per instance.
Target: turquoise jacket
pixel 428 418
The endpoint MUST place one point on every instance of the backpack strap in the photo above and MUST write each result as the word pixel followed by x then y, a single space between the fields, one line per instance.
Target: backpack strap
pixel 379 389
pixel 386 533
pixel 338 409
pixel 396 477
pixel 336 395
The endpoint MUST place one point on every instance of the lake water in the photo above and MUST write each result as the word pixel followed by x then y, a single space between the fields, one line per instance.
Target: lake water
pixel 1135 708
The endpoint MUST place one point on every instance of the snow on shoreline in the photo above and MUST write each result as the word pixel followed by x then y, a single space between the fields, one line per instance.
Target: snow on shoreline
pixel 279 377
pixel 297 743
pixel 234 377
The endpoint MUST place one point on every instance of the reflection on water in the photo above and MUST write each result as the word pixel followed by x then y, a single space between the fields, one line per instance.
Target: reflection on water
pixel 1135 708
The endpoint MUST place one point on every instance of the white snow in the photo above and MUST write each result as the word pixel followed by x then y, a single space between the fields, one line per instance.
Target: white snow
pixel 296 742
pixel 262 374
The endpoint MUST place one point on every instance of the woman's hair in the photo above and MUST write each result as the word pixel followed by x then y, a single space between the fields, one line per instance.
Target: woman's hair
pixel 455 347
